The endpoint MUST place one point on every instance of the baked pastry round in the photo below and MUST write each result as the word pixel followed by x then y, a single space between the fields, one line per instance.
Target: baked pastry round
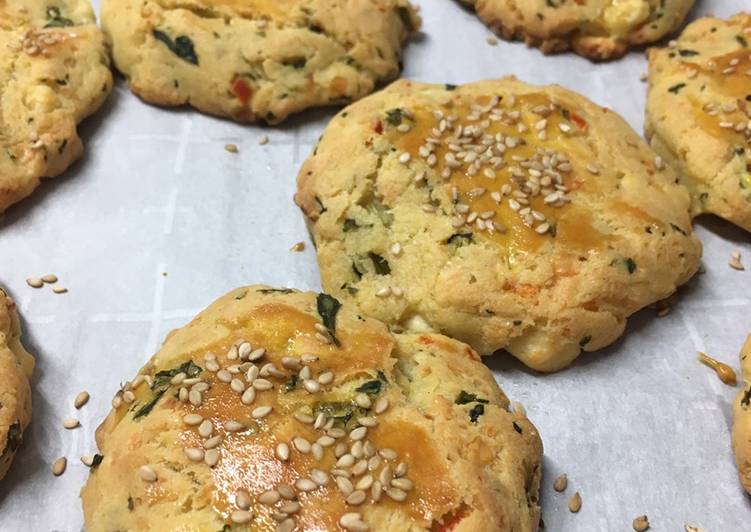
pixel 259 59
pixel 502 214
pixel 699 114
pixel 597 29
pixel 741 438
pixel 16 365
pixel 276 408
pixel 54 72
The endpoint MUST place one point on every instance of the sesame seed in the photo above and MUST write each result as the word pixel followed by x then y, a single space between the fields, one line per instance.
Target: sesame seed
pixel 194 454
pixel 213 442
pixel 289 507
pixel 81 399
pixel 233 426
pixel 192 419
pixel 59 289
pixel 232 148
pixel 205 429
pixel 261 412
pixel 396 494
pixel 362 400
pixel 368 421
pixel 248 396
pixel 403 484
pixel 282 452
pixel 195 397
pixel 301 444
pixel 326 377
pixel 286 491
pixel 305 484
pixel 383 292
pixel 256 354
pixel 34 282
pixel 658 163
pixel 242 499
pixel 71 423
pixel 358 434
pixel 375 491
pixel 263 140
pixel 58 467
pixel 400 470
pixel 241 516
pixel 269 497
pixel 319 477
pixel 491 40
pixel 346 460
pixel 353 522
pixel 211 457
pixel 224 375
pixel 147 473
pixel 405 157
pixel 311 386
pixel 388 454
pixel 542 228
pixel 262 384
pixel 50 278
pixel 288 525
pixel 381 405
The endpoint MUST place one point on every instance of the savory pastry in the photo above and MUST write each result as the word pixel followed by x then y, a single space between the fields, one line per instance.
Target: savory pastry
pixel 742 420
pixel 54 72
pixel 597 29
pixel 699 114
pixel 280 410
pixel 258 59
pixel 499 213
pixel 16 365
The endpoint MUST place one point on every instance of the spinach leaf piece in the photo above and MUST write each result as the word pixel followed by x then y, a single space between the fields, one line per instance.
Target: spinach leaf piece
pixel 327 308
pixel 182 46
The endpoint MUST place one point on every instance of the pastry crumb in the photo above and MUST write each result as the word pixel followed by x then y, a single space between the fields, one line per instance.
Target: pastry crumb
pixel 300 246
pixel 641 523
pixel 724 372
pixel 735 261
pixel 491 40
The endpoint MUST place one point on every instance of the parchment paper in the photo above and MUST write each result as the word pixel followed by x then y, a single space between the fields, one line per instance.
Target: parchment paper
pixel 158 220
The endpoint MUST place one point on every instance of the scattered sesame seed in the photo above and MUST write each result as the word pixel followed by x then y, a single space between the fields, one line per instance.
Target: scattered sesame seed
pixel 58 289
pixel 232 148
pixel 211 457
pixel 194 454
pixel 241 516
pixel 147 473
pixel 735 261
pixel 491 40
pixel 561 483
pixel 353 522
pixel 81 399
pixel 405 157
pixel 575 503
pixel 263 140
pixel 58 467
pixel 261 412
pixel 50 278
pixel 305 484
pixel 34 282
pixel 71 423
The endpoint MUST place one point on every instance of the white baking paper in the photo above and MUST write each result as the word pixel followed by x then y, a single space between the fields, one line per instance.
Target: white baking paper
pixel 157 220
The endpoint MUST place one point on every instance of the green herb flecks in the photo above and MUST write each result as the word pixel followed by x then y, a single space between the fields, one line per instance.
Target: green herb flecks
pixel 380 264
pixel 56 20
pixel 182 46
pixel 13 441
pixel 743 42
pixel 275 290
pixel 476 412
pixel 687 53
pixel 373 387
pixel 96 461
pixel 162 383
pixel 465 398
pixel 675 89
pixel 327 309
pixel 630 265
pixel 291 383
pixel 394 117
pixel 342 412
pixel 517 428
pixel 450 87
pixel 460 239
pixel 746 399
pixel 406 17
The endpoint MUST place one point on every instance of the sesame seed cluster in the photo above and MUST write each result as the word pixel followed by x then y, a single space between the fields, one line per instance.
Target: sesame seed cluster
pixel 362 472
pixel 40 41
pixel 472 149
